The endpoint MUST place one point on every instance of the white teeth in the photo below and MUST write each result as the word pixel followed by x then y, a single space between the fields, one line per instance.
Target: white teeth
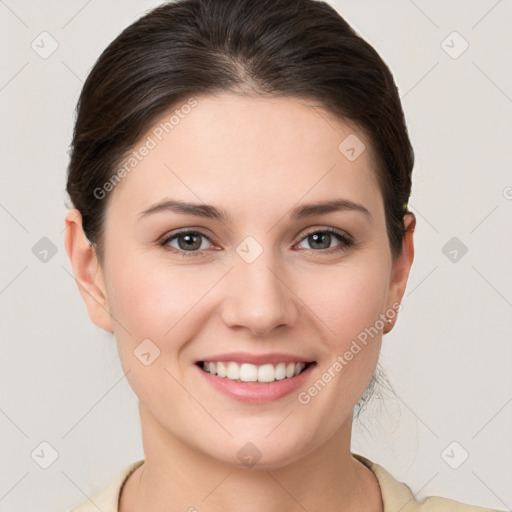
pixel 280 371
pixel 233 371
pixel 247 372
pixel 266 373
pixel 221 370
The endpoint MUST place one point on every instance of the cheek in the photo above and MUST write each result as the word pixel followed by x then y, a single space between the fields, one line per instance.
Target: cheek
pixel 347 303
pixel 150 300
pixel 347 300
pixel 157 303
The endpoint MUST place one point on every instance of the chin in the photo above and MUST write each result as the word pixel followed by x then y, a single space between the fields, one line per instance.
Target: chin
pixel 259 451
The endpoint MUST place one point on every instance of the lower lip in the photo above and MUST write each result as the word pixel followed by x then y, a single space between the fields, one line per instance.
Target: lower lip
pixel 257 392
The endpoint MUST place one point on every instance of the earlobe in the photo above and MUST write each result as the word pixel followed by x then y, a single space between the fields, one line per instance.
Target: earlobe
pixel 87 271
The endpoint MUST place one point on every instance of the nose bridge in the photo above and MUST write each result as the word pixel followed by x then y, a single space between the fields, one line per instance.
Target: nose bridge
pixel 258 297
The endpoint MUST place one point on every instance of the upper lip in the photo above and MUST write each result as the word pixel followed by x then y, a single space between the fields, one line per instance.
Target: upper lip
pixel 257 359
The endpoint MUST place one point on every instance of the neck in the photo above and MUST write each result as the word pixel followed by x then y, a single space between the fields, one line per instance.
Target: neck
pixel 328 478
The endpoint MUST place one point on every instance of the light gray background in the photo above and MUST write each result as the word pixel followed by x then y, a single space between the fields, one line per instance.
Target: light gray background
pixel 449 358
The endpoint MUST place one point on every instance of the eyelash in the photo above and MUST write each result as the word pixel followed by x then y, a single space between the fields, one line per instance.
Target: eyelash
pixel 346 242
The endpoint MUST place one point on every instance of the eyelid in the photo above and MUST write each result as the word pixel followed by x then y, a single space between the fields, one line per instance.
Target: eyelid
pixel 340 232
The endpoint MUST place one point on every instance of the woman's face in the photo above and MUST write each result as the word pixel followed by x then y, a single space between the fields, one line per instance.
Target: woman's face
pixel 264 279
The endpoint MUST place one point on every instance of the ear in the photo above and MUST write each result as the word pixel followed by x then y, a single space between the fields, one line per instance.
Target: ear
pixel 402 265
pixel 87 271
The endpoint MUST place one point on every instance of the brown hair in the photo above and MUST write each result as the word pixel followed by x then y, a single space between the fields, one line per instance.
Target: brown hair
pixel 300 48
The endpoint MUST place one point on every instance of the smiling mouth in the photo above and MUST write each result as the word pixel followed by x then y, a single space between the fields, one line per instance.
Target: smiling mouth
pixel 247 373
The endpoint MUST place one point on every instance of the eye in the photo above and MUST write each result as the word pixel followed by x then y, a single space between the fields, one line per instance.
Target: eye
pixel 321 239
pixel 188 242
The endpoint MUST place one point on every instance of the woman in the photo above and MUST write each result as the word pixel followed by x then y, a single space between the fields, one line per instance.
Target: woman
pixel 240 173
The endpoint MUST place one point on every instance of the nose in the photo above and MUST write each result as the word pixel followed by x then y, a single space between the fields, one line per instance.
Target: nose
pixel 258 298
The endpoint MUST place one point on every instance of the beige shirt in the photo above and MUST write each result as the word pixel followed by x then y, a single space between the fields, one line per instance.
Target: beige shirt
pixel 396 495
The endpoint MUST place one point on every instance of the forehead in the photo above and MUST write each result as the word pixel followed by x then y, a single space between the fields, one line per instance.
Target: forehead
pixel 249 149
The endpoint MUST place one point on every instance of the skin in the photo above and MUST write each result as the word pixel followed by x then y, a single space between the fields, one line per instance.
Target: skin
pixel 257 158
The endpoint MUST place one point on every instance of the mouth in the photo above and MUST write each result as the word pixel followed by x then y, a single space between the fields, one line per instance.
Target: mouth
pixel 257 384
pixel 249 373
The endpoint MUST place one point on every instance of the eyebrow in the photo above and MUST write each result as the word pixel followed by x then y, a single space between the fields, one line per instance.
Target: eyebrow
pixel 212 212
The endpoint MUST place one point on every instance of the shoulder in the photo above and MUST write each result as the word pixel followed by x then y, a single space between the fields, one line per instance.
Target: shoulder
pixel 397 495
pixel 436 503
pixel 107 498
